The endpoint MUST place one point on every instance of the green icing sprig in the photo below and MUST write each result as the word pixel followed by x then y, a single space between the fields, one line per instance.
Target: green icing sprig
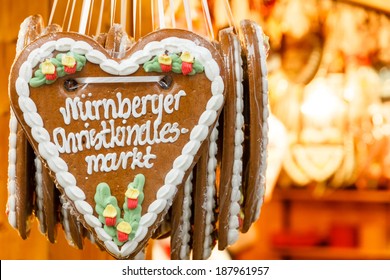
pixel 120 229
pixel 58 69
pixel 173 63
pixel 132 214
pixel 103 198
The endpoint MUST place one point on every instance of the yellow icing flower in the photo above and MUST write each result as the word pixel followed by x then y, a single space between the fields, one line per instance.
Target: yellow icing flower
pixel 187 61
pixel 109 214
pixel 187 57
pixel 132 198
pixel 165 62
pixel 48 67
pixel 109 211
pixel 68 60
pixel 132 193
pixel 124 227
pixel 165 59
pixel 70 64
pixel 123 231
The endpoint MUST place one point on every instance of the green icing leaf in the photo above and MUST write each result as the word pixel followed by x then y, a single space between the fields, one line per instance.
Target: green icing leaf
pixel 79 58
pixel 111 200
pixel 152 65
pixel 176 67
pixel 39 73
pixel 102 191
pixel 37 81
pixel 110 230
pixel 99 208
pixel 139 182
pixel 79 66
pixel 176 64
pixel 103 198
pixel 193 72
pixel 117 242
pixel 175 58
pixel 197 66
pixel 60 71
pixel 56 62
pixel 133 216
pixel 59 57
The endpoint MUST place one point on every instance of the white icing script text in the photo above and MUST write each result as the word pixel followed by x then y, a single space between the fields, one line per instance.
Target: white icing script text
pixel 110 135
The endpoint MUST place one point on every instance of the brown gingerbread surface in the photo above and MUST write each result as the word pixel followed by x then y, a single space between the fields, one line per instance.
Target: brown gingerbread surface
pixel 256 123
pixel 229 122
pixel 179 122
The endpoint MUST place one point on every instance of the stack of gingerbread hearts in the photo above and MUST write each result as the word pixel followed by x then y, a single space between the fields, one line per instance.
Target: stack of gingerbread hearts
pixel 124 141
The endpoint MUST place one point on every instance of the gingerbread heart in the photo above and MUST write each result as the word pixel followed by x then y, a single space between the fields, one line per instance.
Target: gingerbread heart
pixel 119 136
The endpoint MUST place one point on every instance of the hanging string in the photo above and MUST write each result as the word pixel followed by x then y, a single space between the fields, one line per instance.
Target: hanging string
pixel 134 18
pixel 161 14
pixel 172 8
pixel 99 24
pixel 84 16
pixel 53 9
pixel 206 13
pixel 140 19
pixel 230 15
pixel 187 11
pixel 123 13
pixel 113 9
pixel 90 16
pixel 71 15
pixel 66 13
pixel 152 12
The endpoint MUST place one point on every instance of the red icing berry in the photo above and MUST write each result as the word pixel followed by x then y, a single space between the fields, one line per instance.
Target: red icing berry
pixel 51 77
pixel 70 70
pixel 166 68
pixel 186 68
pixel 132 203
pixel 110 221
pixel 122 237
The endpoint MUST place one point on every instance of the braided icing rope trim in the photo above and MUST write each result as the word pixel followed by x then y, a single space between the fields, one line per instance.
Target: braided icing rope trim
pixel 210 192
pixel 264 125
pixel 236 178
pixel 49 151
pixel 11 184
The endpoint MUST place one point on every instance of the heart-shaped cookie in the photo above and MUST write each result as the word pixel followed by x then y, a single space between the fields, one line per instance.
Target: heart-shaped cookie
pixel 119 136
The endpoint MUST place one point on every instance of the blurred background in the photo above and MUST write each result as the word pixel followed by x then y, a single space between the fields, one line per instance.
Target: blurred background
pixel 328 189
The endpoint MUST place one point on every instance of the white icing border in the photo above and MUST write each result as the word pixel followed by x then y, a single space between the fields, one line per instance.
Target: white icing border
pixel 126 67
pixel 234 210
pixel 39 191
pixel 12 143
pixel 210 203
pixel 11 184
pixel 65 220
pixel 264 140
pixel 185 226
